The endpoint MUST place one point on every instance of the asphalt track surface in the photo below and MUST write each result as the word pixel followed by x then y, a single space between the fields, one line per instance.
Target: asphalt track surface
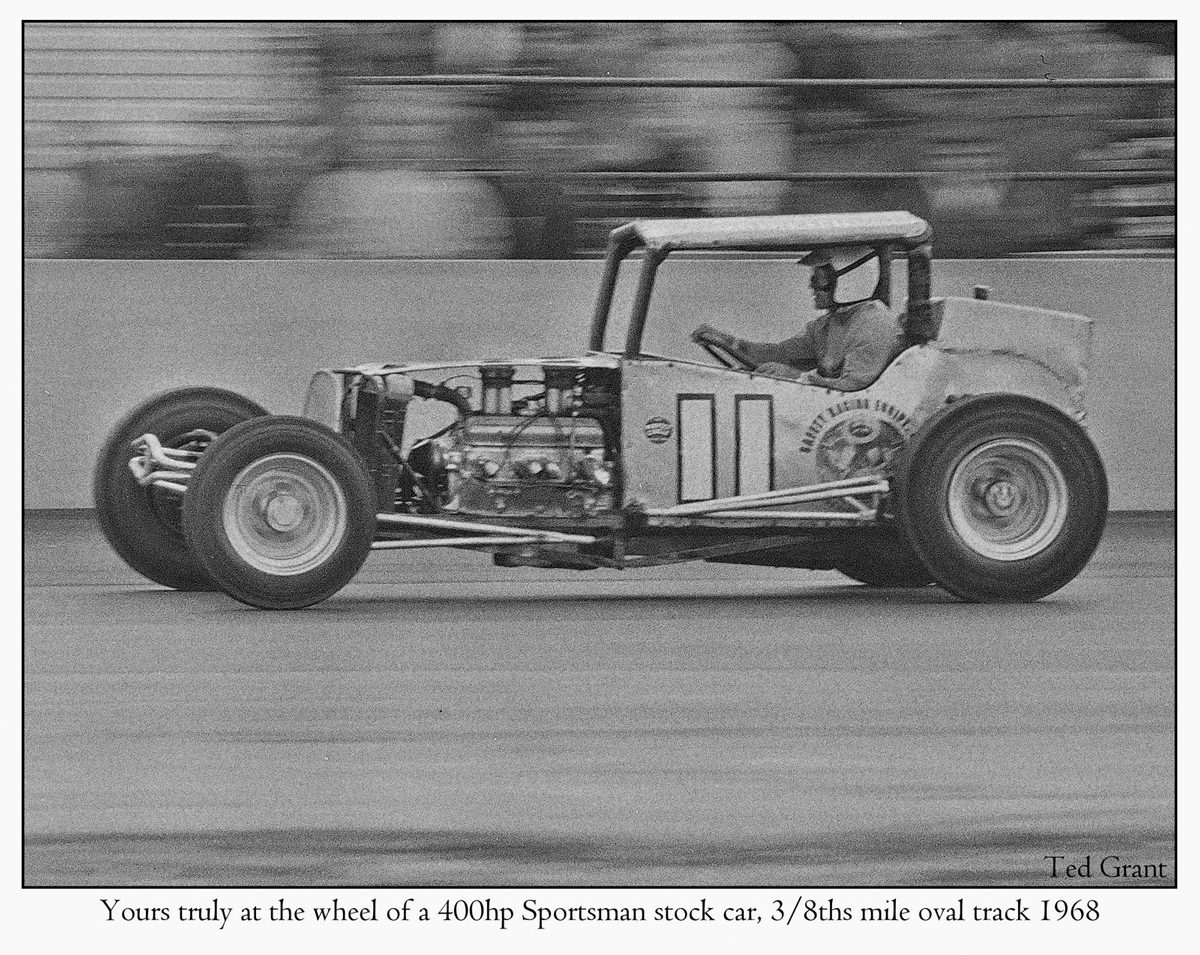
pixel 443 721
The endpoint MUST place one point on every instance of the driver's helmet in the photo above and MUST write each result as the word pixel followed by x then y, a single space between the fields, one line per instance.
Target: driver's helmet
pixel 824 272
pixel 829 264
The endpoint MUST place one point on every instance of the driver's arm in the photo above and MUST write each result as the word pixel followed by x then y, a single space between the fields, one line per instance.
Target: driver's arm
pixel 797 352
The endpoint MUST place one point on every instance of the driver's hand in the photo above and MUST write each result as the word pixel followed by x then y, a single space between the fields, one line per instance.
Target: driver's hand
pixel 706 333
pixel 777 369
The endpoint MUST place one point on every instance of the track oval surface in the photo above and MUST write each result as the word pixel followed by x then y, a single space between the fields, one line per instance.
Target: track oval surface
pixel 442 721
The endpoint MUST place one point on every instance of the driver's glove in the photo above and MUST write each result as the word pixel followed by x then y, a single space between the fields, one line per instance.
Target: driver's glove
pixel 706 333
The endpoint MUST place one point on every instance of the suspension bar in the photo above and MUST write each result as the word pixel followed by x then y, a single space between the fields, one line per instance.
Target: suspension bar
pixel 498 530
pixel 829 490
pixel 496 540
pixel 799 517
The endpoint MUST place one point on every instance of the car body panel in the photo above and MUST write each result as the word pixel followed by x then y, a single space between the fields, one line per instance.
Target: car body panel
pixel 1059 341
pixel 691 430
pixel 810 434
pixel 587 360
pixel 672 455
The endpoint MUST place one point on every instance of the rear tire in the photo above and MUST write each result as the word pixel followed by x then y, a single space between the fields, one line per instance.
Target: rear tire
pixel 281 512
pixel 881 558
pixel 144 525
pixel 1003 498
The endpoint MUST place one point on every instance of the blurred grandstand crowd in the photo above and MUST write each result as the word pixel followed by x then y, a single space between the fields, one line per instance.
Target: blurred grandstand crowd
pixel 270 140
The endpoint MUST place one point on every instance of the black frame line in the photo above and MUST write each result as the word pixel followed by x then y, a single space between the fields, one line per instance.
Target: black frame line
pixel 711 399
pixel 737 439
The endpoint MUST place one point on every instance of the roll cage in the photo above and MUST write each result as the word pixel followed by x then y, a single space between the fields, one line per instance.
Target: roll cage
pixel 888 234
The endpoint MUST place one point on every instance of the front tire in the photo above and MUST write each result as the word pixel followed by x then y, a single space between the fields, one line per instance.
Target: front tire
pixel 1003 498
pixel 144 525
pixel 281 512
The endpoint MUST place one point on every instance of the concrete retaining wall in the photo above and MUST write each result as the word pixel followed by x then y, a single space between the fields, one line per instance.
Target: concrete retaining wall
pixel 101 336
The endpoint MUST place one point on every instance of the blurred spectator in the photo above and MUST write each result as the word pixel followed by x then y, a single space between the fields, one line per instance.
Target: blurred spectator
pixel 471 48
pixel 209 210
pixel 540 216
pixel 120 212
pixel 1159 34
pixel 503 170
pixel 847 130
pixel 367 213
pixel 396 193
pixel 972 142
pixel 404 184
pixel 1135 215
pixel 135 203
pixel 526 159
pixel 276 160
pixel 740 130
pixel 51 198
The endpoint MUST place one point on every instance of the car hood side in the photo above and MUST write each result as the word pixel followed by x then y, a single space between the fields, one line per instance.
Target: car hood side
pixel 587 360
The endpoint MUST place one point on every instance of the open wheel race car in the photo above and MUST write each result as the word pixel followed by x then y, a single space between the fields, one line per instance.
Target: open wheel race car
pixel 964 464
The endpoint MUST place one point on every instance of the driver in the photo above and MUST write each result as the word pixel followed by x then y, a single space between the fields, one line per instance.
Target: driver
pixel 845 348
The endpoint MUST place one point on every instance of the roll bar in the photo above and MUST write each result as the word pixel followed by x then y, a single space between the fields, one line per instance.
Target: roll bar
pixel 918 327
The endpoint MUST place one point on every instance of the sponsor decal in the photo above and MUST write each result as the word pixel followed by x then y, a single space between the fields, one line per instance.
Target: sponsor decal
pixel 856 436
pixel 659 430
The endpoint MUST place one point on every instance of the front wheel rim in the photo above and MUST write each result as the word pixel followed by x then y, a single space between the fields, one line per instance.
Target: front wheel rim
pixel 1007 499
pixel 285 514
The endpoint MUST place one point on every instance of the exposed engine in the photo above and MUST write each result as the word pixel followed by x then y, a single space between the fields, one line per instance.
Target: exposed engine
pixel 540 446
pixel 537 466
pixel 546 454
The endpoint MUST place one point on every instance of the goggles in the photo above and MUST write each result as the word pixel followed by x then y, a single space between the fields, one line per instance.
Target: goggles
pixel 822 281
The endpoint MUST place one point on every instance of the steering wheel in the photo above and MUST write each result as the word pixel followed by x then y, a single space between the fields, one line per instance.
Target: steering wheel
pixel 721 354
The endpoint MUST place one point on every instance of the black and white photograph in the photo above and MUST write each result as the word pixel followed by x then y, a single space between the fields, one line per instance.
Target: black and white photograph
pixel 599 454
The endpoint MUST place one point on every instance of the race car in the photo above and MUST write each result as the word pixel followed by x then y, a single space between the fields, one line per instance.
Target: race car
pixel 965 464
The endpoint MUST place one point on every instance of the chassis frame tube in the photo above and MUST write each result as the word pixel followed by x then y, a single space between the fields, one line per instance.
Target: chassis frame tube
pixel 831 495
pixel 742 546
pixel 491 541
pixel 498 530
pixel 795 495
pixel 858 517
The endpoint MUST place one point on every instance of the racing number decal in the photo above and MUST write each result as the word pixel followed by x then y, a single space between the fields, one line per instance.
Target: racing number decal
pixel 754 439
pixel 754 445
pixel 697 417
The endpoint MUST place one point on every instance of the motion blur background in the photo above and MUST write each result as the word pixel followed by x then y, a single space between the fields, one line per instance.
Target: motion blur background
pixel 321 140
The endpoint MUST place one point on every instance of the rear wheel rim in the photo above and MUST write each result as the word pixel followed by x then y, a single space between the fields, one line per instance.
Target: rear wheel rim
pixel 1007 499
pixel 285 514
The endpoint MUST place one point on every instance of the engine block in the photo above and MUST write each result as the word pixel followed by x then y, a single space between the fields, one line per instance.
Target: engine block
pixel 528 466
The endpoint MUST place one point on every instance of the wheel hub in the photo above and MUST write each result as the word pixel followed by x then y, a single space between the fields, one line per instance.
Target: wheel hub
pixel 282 511
pixel 285 514
pixel 1001 497
pixel 1007 499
